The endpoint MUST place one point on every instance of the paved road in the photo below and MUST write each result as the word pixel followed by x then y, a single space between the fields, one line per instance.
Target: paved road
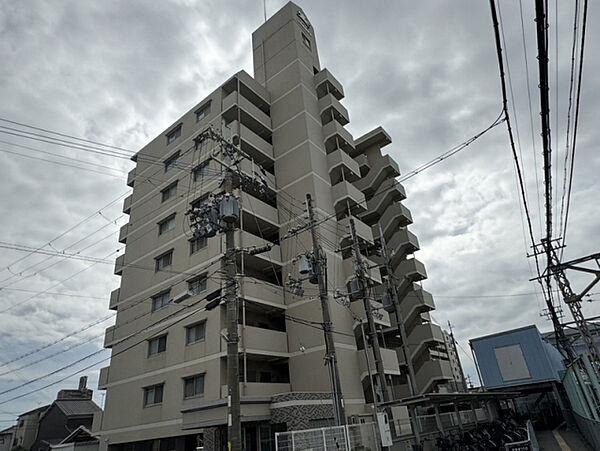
pixel 561 440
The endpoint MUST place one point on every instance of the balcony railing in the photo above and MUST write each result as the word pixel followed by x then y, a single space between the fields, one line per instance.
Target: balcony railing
pixel 131 177
pixel 331 109
pixel 119 264
pixel 123 233
pixel 388 357
pixel 127 204
pixel 326 83
pixel 342 167
pixel 337 137
pixel 345 195
pixel 114 299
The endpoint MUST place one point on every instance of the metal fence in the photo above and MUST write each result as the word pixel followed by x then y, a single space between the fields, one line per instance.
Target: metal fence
pixel 363 437
pixel 589 428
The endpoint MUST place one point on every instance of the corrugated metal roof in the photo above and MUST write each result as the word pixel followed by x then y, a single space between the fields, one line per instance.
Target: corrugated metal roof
pixel 75 407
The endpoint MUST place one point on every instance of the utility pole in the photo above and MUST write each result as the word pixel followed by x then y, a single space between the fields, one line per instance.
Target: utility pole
pixel 320 269
pixel 223 214
pixel 371 331
pixel 464 382
pixel 234 426
pixel 392 291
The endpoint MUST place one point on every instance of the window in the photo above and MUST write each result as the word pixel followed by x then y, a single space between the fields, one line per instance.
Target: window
pixel 169 192
pixel 166 225
pixel 198 285
pixel 201 170
pixel 153 395
pixel 171 162
pixel 174 134
pixel 195 333
pixel 202 112
pixel 197 244
pixel 157 345
pixel 200 201
pixel 161 300
pixel 305 40
pixel 164 260
pixel 193 386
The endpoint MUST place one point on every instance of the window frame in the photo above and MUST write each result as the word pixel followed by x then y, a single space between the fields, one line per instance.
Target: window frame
pixel 157 339
pixel 168 220
pixel 203 165
pixel 201 278
pixel 204 109
pixel 193 326
pixel 195 249
pixel 306 41
pixel 171 159
pixel 173 134
pixel 160 295
pixel 193 378
pixel 160 257
pixel 153 388
pixel 168 191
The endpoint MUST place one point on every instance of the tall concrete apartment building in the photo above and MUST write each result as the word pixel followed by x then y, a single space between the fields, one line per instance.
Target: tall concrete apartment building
pixel 166 383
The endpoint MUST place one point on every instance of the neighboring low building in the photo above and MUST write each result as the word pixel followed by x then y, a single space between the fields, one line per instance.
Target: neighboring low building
pixel 574 336
pixel 520 360
pixel 81 439
pixel 6 438
pixel 27 427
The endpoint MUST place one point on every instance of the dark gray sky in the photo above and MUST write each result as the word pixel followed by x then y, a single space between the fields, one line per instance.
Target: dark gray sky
pixel 120 72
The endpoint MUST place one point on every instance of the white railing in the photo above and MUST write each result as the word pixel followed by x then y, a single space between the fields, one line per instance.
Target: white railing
pixel 363 436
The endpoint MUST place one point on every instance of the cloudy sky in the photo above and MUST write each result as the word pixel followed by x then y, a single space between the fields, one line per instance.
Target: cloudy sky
pixel 120 72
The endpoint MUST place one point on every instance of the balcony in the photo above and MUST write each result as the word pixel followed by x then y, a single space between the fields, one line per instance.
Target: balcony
pixel 431 373
pixel 131 178
pixel 382 168
pixel 114 299
pixel 423 335
pixel 259 341
pixel 372 273
pixel 415 303
pixel 388 356
pixel 119 264
pixel 412 270
pixel 363 232
pixel 109 337
pixel 325 83
pixel 252 169
pixel 256 146
pixel 258 389
pixel 342 167
pixel 103 378
pixel 127 204
pixel 257 116
pixel 258 208
pixel 337 137
pixel 331 109
pixel 394 217
pixel 123 233
pixel 272 257
pixel 262 292
pixel 345 196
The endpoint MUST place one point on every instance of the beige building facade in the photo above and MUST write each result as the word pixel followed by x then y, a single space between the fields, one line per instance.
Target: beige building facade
pixel 166 384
